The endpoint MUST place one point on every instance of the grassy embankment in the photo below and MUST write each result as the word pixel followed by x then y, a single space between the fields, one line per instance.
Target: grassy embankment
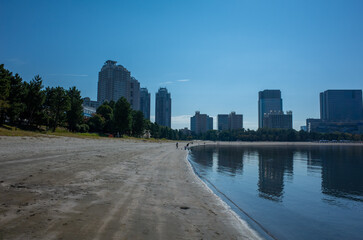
pixel 7 130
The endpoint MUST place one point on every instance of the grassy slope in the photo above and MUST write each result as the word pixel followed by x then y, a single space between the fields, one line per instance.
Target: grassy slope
pixel 14 131
pixel 61 132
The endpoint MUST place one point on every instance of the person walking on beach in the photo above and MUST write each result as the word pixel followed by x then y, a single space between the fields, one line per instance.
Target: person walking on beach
pixel 176 145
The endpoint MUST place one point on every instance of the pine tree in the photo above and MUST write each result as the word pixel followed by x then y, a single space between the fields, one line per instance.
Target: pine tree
pixel 5 76
pixel 122 116
pixel 57 103
pixel 34 99
pixel 16 99
pixel 138 124
pixel 75 112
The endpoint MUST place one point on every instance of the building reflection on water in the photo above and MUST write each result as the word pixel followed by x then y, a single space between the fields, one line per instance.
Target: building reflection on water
pixel 273 163
pixel 230 161
pixel 340 168
pixel 341 171
pixel 204 156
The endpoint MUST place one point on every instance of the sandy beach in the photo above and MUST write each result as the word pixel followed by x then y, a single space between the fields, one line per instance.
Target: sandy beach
pixel 70 188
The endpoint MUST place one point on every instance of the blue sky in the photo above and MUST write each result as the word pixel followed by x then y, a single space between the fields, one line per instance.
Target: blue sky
pixel 213 56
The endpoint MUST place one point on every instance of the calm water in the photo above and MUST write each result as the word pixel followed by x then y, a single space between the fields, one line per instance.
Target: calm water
pixel 293 192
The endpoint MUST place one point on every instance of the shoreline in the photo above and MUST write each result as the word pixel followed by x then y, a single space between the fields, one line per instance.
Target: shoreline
pixel 240 224
pixel 71 188
pixel 264 143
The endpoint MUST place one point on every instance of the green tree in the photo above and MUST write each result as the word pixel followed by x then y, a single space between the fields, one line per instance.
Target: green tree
pixel 75 112
pixel 106 111
pixel 16 99
pixel 112 104
pixel 34 99
pixel 96 123
pixel 138 123
pixel 122 116
pixel 5 76
pixel 57 103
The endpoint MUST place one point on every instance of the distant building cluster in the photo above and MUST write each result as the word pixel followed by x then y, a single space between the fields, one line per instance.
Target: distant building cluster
pixel 270 115
pixel 340 111
pixel 270 111
pixel 115 81
pixel 230 121
pixel 277 119
pixel 201 123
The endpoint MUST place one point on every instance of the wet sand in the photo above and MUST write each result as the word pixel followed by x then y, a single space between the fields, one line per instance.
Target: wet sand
pixel 69 188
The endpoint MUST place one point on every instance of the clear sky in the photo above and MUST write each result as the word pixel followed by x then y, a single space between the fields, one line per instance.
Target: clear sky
pixel 213 56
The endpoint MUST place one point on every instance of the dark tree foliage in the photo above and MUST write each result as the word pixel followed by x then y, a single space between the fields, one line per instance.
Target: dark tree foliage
pixel 83 128
pixel 27 103
pixel 16 99
pixel 96 123
pixel 5 76
pixel 122 117
pixel 106 111
pixel 285 135
pixel 75 112
pixel 157 131
pixel 112 104
pixel 138 123
pixel 34 99
pixel 57 104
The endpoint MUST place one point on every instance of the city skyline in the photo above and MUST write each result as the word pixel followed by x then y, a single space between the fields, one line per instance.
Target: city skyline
pixel 213 57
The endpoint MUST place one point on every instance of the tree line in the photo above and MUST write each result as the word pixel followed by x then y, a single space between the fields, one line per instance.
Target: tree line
pixel 282 135
pixel 30 105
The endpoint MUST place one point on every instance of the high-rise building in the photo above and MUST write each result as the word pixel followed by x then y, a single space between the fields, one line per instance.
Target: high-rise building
pixel 235 121
pixel 163 108
pixel 134 94
pixel 341 105
pixel 268 100
pixel 201 123
pixel 145 102
pixel 222 122
pixel 114 82
pixel 277 119
pixel 230 121
pixel 340 111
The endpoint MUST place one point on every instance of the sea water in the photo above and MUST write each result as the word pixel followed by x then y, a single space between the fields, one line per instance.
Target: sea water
pixel 289 192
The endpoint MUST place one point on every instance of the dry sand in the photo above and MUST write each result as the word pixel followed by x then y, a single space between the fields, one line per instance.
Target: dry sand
pixel 68 188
